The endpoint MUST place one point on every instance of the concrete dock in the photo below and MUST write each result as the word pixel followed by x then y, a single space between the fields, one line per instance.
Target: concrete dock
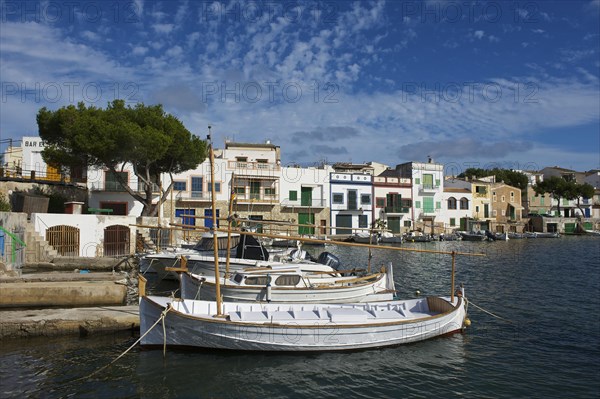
pixel 73 321
pixel 66 303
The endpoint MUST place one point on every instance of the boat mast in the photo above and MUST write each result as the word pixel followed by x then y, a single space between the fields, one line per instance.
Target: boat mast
pixel 214 224
pixel 229 220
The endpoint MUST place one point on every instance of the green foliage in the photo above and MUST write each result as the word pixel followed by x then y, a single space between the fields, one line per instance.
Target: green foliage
pixel 510 177
pixel 56 199
pixel 4 204
pixel 152 141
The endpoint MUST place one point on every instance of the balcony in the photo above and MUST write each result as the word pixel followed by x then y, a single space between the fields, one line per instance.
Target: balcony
pixel 391 210
pixel 428 211
pixel 258 168
pixel 314 203
pixel 254 198
pixel 429 188
pixel 192 196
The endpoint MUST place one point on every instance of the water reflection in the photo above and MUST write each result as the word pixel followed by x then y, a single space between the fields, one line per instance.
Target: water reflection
pixel 373 373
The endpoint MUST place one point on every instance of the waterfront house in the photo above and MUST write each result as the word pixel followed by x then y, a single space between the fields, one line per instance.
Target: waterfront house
pixel 506 208
pixel 427 188
pixel 457 201
pixel 393 200
pixel 351 198
pixel 481 208
pixel 305 197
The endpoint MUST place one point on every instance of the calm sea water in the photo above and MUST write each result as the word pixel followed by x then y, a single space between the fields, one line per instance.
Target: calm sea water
pixel 549 289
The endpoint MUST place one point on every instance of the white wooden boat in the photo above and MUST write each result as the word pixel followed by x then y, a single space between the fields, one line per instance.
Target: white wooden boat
pixel 297 327
pixel 247 253
pixel 472 236
pixel 291 284
pixel 389 238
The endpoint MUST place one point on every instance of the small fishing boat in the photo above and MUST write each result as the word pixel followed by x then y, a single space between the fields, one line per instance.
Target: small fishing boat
pixel 288 283
pixel 472 236
pixel 297 327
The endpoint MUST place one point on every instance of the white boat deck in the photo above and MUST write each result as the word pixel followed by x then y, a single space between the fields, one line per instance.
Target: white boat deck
pixel 302 313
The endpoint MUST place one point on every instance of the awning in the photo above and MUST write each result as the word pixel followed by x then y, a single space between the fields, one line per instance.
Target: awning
pixel 516 206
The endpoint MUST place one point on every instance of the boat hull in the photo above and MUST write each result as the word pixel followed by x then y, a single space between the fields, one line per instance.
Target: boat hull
pixel 192 288
pixel 334 328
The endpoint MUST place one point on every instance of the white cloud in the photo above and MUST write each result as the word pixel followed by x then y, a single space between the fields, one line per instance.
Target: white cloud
pixel 139 50
pixel 478 34
pixel 163 28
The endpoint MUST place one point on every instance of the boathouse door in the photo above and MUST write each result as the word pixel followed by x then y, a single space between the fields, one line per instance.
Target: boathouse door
pixel 208 222
pixel 306 218
pixel 116 240
pixel 343 221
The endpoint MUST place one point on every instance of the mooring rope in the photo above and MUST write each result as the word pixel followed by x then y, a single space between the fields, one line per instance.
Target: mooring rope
pixel 162 317
pixel 490 313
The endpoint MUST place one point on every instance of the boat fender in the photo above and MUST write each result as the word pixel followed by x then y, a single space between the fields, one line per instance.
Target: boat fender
pixel 268 289
pixel 467 322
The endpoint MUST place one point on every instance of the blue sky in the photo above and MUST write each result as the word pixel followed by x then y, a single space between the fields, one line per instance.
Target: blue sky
pixel 510 84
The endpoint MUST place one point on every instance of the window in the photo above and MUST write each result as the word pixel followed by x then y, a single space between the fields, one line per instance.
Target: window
pixel 477 209
pixel 452 222
pixel 451 203
pixel 262 280
pixel 111 182
pixel 464 203
pixel 407 223
pixel 293 195
pixel 380 202
pixel 338 198
pixel 503 212
pixel 418 204
pixel 481 190
pixel 503 198
pixel 363 221
pixel 512 196
pixel 494 213
pixel 179 185
pixel 542 201
pixel 417 180
pixel 352 200
pixel 269 191
pixel 494 196
pixel 437 182
pixel 217 186
pixel 365 199
pixel 196 187
pixel 292 280
pixel 239 189
pixel 438 205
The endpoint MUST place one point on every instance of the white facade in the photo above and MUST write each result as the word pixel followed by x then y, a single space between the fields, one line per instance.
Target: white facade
pixel 351 201
pixel 393 201
pixel 89 239
pixel 457 202
pixel 427 190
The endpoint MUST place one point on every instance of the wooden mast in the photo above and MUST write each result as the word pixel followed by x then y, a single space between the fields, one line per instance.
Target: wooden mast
pixel 214 225
pixel 229 220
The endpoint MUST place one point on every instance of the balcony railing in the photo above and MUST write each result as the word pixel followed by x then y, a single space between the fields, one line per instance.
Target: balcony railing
pixel 429 187
pixel 428 211
pixel 192 195
pixel 314 203
pixel 396 209
pixel 253 165
pixel 257 198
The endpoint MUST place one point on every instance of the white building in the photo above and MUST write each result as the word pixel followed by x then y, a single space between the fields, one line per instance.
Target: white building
pixel 393 200
pixel 305 197
pixel 427 190
pixel 457 201
pixel 351 201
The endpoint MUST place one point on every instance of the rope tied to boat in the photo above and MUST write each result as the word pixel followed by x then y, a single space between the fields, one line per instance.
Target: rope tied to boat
pixel 163 315
pixel 488 312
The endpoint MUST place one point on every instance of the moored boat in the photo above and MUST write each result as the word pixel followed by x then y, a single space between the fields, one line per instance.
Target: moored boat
pixel 297 327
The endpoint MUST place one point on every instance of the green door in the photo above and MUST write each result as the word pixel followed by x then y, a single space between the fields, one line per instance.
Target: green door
pixel 428 204
pixel 254 190
pixel 352 200
pixel 306 218
pixel 393 223
pixel 343 221
pixel 306 196
pixel 486 211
